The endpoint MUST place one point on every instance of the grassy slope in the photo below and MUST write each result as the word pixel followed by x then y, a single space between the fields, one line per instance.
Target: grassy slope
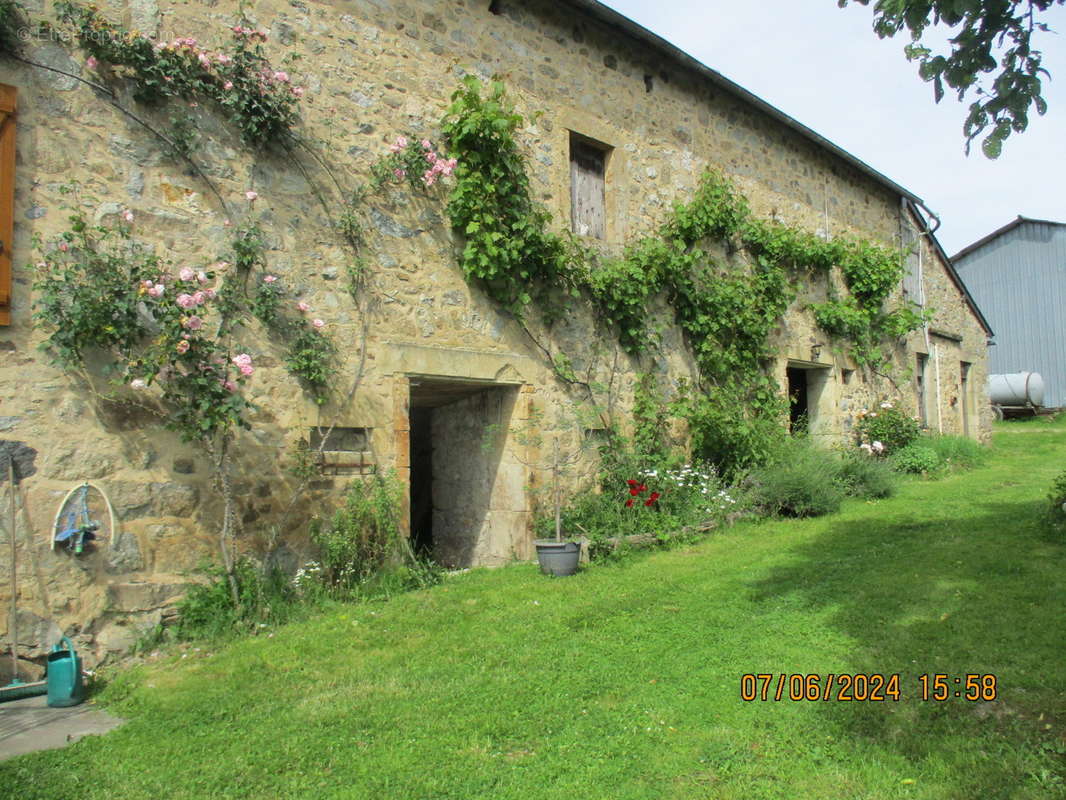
pixel 623 682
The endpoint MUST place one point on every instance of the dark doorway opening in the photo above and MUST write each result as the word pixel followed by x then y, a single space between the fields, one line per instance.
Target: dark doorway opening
pixel 422 481
pixel 798 408
pixel 460 490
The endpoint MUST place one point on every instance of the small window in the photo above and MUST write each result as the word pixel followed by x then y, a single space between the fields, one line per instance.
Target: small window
pixel 7 197
pixel 340 440
pixel 588 169
pixel 846 376
pixel 919 380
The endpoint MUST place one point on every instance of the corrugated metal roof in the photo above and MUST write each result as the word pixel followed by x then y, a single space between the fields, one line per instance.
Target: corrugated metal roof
pixel 1014 223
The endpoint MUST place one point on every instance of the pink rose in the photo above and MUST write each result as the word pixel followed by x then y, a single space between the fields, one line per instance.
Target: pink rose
pixel 431 156
pixel 186 274
pixel 127 215
pixel 281 77
pixel 227 85
pixel 201 277
pixel 318 323
pixel 229 386
pixel 193 323
pixel 252 196
pixel 199 297
pixel 269 278
pixel 246 370
pixel 156 291
pixel 91 62
pixel 242 360
pixel 302 306
pixel 426 145
pixel 222 58
pixel 400 173
pixel 182 346
pixel 186 301
pixel 298 91
pixel 63 246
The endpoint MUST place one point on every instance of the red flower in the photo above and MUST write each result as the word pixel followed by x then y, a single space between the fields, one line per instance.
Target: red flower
pixel 634 491
pixel 629 503
pixel 643 488
pixel 651 499
pixel 631 482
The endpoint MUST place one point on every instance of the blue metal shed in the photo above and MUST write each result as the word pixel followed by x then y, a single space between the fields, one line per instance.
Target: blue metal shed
pixel 1017 275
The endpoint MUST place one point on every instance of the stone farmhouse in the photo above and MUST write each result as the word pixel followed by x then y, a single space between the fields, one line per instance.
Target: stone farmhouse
pixel 436 380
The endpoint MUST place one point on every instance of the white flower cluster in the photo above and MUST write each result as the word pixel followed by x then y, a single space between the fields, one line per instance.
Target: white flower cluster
pixel 689 478
pixel 307 574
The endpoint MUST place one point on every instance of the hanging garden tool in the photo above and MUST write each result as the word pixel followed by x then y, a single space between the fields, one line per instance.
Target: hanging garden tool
pixel 74 525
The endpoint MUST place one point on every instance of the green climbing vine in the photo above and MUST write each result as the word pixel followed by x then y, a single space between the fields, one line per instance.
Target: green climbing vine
pixel 727 307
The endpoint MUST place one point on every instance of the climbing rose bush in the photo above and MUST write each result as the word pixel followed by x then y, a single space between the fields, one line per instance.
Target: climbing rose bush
pixel 886 429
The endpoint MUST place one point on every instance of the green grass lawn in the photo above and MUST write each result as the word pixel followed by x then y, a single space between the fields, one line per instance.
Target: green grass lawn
pixel 624 681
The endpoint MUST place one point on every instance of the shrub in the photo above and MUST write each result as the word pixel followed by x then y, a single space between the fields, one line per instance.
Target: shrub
pixel 800 481
pixel 1056 510
pixel 266 596
pixel 916 458
pixel 889 426
pixel 868 478
pixel 959 452
pixel 363 535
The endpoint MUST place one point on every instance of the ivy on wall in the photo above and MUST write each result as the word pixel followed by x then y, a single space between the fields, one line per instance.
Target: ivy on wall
pixel 727 309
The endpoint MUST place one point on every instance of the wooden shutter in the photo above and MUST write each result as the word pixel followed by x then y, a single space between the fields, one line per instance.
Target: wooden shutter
pixel 587 168
pixel 7 197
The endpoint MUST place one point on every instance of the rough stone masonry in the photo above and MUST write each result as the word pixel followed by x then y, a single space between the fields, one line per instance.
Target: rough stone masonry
pixel 445 369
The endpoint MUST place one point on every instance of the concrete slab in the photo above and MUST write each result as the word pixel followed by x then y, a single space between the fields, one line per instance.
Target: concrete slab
pixel 28 725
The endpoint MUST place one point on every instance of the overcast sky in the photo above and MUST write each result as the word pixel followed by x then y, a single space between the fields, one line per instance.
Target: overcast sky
pixel 825 67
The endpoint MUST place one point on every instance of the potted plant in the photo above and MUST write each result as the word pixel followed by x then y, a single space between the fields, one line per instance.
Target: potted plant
pixel 556 556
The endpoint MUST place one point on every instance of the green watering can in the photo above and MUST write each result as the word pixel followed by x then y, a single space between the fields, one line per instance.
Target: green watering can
pixel 65 687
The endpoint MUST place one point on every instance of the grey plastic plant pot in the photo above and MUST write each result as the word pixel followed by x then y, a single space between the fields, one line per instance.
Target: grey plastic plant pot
pixel 557 558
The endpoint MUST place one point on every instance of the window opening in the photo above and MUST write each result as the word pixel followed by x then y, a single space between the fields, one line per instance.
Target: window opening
pixel 588 169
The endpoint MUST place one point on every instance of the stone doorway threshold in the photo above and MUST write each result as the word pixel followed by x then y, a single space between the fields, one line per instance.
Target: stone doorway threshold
pixel 28 725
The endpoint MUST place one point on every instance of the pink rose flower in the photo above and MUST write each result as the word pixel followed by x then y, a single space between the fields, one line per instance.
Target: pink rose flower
pixel 156 291
pixel 182 346
pixel 281 77
pixel 127 215
pixel 222 58
pixel 186 274
pixel 318 323
pixel 227 85
pixel 201 277
pixel 400 173
pixel 302 306
pixel 91 62
pixel 401 142
pixel 199 297
pixel 193 323
pixel 242 360
pixel 252 196
pixel 229 386
pixel 269 278
pixel 426 145
pixel 186 301
pixel 246 370
pixel 63 246
pixel 298 91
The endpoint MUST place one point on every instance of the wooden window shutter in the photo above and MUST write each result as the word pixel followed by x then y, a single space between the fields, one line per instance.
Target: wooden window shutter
pixel 587 196
pixel 7 197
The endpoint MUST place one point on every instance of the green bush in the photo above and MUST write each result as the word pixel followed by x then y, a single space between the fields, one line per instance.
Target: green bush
pixel 1056 509
pixel 266 597
pixel 916 458
pixel 958 452
pixel 799 481
pixel 863 476
pixel 889 426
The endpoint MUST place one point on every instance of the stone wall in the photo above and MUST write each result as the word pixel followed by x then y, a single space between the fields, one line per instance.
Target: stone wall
pixel 373 70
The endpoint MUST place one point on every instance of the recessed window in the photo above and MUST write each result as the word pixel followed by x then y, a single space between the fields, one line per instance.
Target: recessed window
pixel 340 440
pixel 588 170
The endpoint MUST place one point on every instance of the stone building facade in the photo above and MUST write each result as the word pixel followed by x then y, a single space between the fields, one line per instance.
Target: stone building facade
pixel 446 378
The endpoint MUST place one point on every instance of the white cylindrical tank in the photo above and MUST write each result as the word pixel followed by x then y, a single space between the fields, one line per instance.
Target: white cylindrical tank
pixel 1016 389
